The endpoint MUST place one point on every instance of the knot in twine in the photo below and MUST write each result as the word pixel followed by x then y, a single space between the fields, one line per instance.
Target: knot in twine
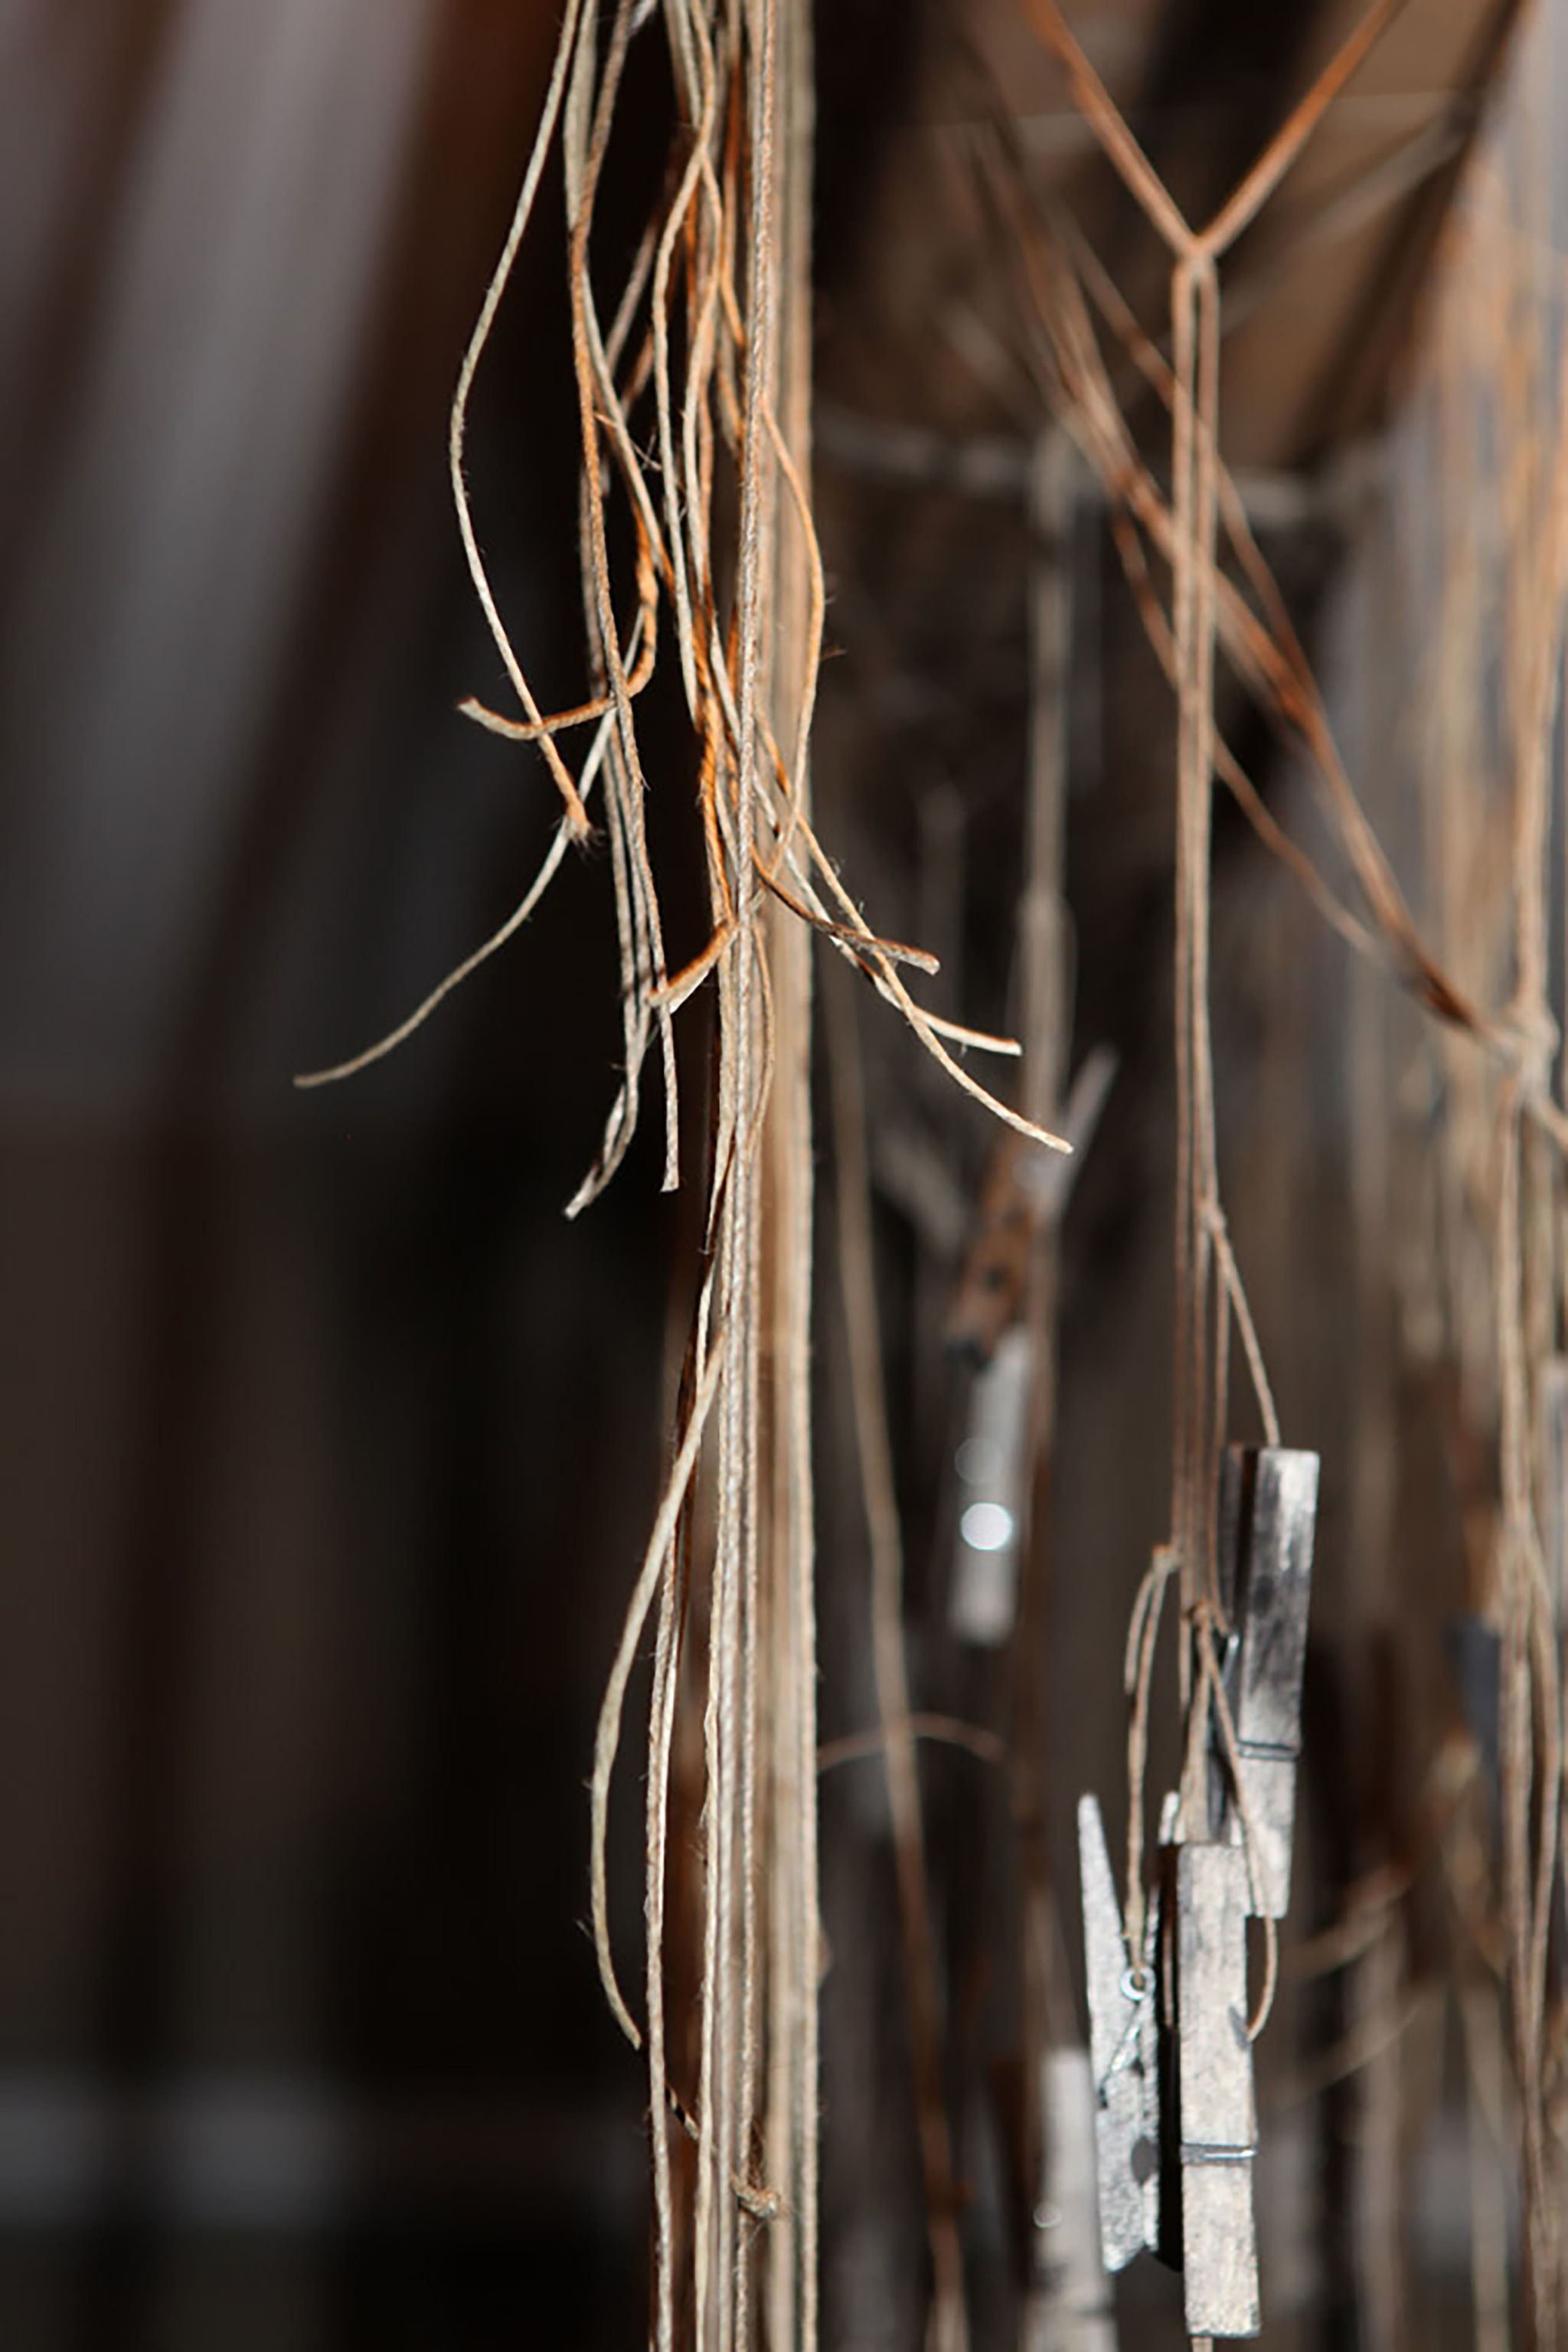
pixel 1530 1038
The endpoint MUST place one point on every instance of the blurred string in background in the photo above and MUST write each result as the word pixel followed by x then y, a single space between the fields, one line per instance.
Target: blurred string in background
pixel 329 1448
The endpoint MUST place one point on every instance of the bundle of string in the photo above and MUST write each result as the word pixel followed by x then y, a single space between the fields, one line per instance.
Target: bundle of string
pixel 1209 1289
pixel 1500 395
pixel 692 406
pixel 1060 276
pixel 1486 468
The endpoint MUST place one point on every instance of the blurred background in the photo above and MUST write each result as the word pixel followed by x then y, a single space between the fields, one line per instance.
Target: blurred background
pixel 327 1442
pixel 327 1445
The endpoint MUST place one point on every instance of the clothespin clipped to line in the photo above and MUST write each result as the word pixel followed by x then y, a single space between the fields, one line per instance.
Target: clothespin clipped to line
pixel 1176 2117
pixel 1268 1512
pixel 1217 2113
pixel 1124 2050
pixel 1024 1188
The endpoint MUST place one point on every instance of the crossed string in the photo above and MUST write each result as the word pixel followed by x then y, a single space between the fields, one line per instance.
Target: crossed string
pixel 1208 1286
pixel 689 331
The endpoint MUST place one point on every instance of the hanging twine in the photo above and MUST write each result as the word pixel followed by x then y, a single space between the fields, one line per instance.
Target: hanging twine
pixel 1520 1043
pixel 710 330
pixel 1532 1702
pixel 1208 1286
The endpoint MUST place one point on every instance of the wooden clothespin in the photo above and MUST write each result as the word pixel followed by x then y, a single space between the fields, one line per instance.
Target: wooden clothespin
pixel 1217 2117
pixel 1025 1185
pixel 1177 2129
pixel 1175 2143
pixel 1124 2054
pixel 995 1268
pixel 1026 1188
pixel 1075 2305
pixel 1267 1514
pixel 993 1466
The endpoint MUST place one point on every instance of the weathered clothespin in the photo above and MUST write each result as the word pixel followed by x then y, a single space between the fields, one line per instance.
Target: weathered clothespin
pixel 1217 2117
pixel 1025 1186
pixel 992 1472
pixel 1072 2309
pixel 1177 2129
pixel 1268 1512
pixel 1026 1189
pixel 1175 2145
pixel 1124 2054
